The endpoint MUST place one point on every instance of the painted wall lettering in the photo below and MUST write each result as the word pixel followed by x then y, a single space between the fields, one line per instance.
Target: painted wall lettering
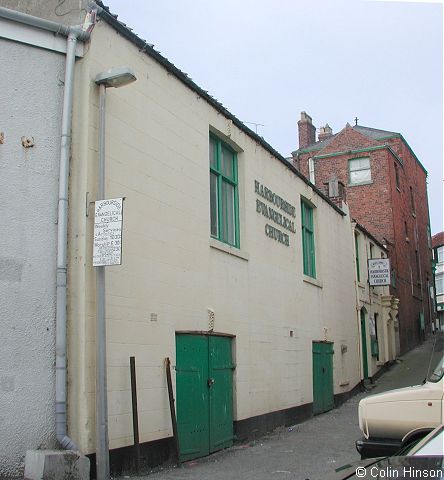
pixel 274 215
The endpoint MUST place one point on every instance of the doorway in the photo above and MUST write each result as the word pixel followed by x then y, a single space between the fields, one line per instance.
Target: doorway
pixel 204 391
pixel 323 396
pixel 364 343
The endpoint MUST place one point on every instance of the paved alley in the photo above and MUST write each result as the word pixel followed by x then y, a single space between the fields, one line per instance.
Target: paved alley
pixel 306 451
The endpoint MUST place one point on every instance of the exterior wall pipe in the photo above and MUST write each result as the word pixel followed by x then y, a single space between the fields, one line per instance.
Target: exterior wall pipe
pixel 62 240
pixel 48 25
pixel 73 34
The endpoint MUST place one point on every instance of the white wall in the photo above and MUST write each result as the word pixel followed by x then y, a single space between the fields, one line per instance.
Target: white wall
pixel 31 86
pixel 375 300
pixel 158 159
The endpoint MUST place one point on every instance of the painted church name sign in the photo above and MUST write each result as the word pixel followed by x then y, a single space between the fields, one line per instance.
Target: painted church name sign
pixel 270 205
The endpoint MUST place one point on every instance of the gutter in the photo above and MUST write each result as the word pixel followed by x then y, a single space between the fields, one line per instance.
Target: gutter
pixel 73 34
pixel 43 24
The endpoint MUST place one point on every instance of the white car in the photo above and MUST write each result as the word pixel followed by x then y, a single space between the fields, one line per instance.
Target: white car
pixel 423 460
pixel 396 418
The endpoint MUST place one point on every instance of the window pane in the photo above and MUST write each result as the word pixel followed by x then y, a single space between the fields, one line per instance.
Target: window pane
pixel 213 156
pixel 441 254
pixel 439 283
pixel 311 170
pixel 213 205
pixel 227 162
pixel 359 164
pixel 307 216
pixel 228 217
pixel 360 176
pixel 359 170
pixel 308 247
pixel 311 253
pixel 223 192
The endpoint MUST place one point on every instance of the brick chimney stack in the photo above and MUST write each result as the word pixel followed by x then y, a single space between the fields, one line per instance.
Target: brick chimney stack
pixel 325 132
pixel 307 131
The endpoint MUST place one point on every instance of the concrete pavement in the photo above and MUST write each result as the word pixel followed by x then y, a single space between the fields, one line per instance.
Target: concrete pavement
pixel 306 451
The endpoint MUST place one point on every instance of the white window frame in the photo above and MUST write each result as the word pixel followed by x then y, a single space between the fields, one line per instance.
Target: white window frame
pixel 311 170
pixel 360 168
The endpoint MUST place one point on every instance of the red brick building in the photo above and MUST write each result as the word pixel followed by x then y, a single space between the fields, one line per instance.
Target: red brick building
pixel 384 185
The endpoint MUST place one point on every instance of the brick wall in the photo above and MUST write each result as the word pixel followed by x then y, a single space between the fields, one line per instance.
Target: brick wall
pixel 386 211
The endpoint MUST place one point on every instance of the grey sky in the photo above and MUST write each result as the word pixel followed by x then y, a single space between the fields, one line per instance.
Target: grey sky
pixel 336 59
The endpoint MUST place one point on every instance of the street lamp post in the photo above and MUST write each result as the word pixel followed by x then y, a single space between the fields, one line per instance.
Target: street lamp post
pixel 114 77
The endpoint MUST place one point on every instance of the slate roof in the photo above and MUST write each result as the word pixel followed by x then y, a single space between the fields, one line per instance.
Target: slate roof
pixel 372 133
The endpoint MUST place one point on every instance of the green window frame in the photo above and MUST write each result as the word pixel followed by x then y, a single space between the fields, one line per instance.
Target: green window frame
pixel 308 243
pixel 358 269
pixel 224 196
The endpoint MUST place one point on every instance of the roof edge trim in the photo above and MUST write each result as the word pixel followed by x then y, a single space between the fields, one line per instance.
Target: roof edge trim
pixel 399 135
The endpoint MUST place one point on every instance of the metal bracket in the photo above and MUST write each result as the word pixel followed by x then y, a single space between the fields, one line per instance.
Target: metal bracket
pixel 87 204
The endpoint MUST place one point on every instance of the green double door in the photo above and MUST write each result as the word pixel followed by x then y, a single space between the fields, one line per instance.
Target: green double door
pixel 323 396
pixel 204 391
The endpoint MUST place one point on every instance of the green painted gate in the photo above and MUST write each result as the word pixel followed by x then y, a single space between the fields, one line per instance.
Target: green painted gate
pixel 204 391
pixel 323 399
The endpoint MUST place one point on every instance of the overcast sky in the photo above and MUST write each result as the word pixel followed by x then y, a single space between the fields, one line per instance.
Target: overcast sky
pixel 267 61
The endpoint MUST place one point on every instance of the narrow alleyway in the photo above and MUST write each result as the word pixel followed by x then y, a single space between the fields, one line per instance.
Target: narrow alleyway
pixel 306 451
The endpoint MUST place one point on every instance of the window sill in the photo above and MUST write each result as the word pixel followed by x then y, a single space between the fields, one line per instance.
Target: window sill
pixel 359 184
pixel 223 247
pixel 312 281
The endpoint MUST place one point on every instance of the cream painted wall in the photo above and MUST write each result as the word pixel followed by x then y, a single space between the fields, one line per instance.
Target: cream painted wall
pixel 157 157
pixel 375 300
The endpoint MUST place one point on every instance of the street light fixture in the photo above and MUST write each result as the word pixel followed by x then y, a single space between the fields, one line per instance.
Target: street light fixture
pixel 114 77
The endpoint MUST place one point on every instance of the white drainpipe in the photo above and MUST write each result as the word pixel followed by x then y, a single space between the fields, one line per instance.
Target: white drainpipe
pixel 73 34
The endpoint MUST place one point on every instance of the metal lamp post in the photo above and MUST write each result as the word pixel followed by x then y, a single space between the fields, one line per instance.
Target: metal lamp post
pixel 114 77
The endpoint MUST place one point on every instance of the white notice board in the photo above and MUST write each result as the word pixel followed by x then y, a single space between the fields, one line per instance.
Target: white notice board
pixel 379 272
pixel 108 219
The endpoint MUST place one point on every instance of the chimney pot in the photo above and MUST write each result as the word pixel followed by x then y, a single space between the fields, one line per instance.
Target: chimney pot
pixel 325 132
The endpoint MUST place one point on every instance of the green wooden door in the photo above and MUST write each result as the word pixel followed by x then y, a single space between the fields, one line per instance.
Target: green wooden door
pixel 221 393
pixel 204 391
pixel 192 396
pixel 323 396
pixel 364 345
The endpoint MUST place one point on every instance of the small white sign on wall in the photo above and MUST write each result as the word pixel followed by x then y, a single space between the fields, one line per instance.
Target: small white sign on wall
pixel 108 219
pixel 379 272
